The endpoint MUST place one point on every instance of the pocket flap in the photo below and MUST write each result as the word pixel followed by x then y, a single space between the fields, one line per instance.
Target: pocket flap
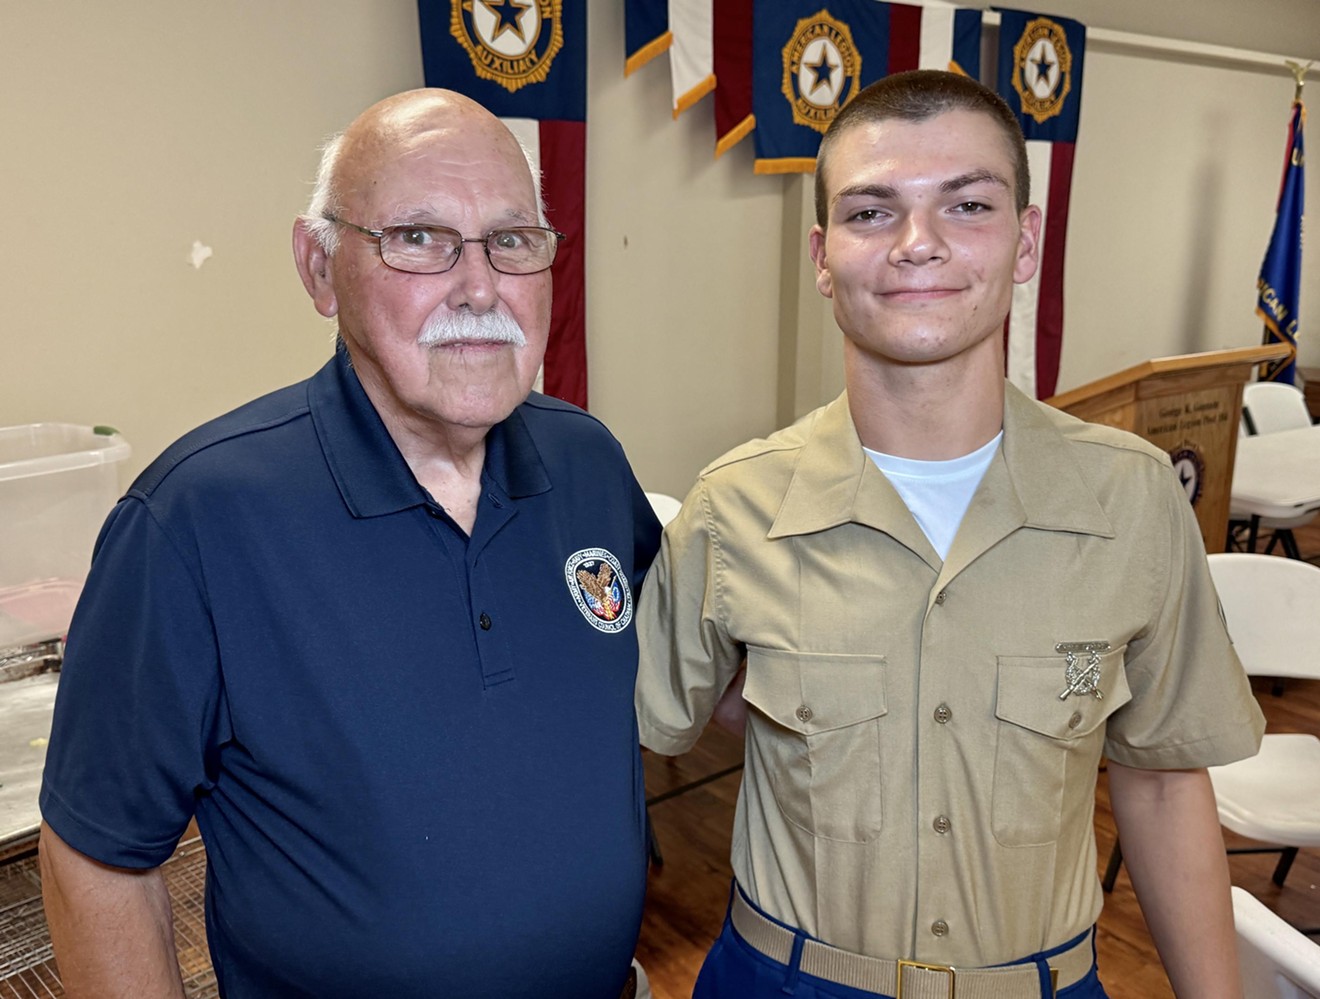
pixel 1030 695
pixel 812 692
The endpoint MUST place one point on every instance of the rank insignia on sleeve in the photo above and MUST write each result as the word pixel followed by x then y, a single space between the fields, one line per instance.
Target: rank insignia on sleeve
pixel 1082 676
pixel 600 589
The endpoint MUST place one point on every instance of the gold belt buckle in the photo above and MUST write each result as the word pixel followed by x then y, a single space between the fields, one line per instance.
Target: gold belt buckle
pixel 918 965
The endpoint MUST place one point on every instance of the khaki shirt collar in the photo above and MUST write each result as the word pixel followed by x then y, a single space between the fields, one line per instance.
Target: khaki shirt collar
pixel 1044 488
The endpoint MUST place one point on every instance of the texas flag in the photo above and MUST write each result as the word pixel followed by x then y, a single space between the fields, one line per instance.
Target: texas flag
pixel 1040 76
pixel 692 55
pixel 527 63
pixel 805 68
pixel 683 28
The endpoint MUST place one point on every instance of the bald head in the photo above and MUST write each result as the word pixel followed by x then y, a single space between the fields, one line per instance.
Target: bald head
pixel 411 124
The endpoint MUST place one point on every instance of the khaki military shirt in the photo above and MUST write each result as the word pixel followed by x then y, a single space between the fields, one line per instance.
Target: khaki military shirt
pixel 917 783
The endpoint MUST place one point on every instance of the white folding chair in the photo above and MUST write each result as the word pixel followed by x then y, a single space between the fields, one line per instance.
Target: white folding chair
pixel 1267 408
pixel 1277 961
pixel 1272 606
pixel 665 506
pixel 1271 407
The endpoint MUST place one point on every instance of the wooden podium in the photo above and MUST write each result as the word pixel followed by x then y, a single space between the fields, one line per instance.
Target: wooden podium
pixel 1188 406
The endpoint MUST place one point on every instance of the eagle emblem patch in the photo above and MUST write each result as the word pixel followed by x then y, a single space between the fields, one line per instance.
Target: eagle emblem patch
pixel 510 42
pixel 600 589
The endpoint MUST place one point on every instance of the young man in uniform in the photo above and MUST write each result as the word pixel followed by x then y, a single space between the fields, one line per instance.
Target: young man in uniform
pixel 951 601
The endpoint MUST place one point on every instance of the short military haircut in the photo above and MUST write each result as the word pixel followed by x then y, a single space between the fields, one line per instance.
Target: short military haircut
pixel 918 96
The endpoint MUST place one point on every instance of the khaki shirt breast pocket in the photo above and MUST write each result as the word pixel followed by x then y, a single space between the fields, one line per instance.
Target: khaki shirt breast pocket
pixel 815 738
pixel 1043 737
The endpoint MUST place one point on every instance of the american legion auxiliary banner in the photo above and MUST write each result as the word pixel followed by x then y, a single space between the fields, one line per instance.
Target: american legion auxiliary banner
pixel 804 69
pixel 1040 76
pixel 527 63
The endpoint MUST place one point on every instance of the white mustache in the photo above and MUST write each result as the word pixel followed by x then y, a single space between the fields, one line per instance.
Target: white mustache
pixel 466 326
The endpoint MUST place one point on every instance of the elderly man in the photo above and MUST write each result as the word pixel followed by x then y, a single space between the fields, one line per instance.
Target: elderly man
pixel 951 600
pixel 372 631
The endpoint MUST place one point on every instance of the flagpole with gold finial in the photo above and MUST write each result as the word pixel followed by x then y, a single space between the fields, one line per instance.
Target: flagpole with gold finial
pixel 1299 72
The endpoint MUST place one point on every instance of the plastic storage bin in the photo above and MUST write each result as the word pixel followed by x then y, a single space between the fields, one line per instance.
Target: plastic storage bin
pixel 57 483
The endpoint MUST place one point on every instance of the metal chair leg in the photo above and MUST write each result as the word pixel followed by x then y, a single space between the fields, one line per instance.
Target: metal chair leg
pixel 1111 871
pixel 653 844
pixel 1288 855
pixel 1289 542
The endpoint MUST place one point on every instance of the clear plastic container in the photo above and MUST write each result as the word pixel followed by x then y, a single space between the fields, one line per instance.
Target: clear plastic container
pixel 57 483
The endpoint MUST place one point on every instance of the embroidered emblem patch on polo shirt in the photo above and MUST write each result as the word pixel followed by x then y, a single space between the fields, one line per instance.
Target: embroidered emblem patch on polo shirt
pixel 599 588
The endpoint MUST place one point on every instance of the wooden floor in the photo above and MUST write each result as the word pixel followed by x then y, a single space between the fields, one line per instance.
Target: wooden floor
pixel 688 893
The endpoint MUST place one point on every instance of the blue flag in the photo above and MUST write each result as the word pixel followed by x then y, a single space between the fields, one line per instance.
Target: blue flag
pixel 1279 287
pixel 646 32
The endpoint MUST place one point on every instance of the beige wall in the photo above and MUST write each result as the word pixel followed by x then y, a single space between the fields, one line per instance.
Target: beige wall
pixel 135 128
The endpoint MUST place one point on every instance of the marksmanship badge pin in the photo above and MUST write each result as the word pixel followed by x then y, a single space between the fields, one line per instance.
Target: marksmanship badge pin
pixel 1082 677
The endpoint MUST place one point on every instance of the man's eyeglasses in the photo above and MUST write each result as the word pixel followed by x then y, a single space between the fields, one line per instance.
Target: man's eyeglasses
pixel 434 249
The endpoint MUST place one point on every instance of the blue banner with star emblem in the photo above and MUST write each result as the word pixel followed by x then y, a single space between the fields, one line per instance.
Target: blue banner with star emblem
pixel 518 58
pixel 1040 76
pixel 526 61
pixel 1040 72
pixel 805 68
pixel 1278 291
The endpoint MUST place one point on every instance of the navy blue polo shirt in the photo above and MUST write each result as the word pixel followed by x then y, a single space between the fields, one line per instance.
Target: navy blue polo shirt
pixel 412 754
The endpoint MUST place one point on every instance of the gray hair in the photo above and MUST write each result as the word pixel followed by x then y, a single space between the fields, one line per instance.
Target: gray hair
pixel 325 199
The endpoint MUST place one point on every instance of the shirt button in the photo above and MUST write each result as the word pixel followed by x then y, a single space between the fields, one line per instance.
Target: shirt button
pixel 484 621
pixel 941 596
pixel 803 713
pixel 943 713
pixel 1075 720
pixel 940 928
pixel 942 824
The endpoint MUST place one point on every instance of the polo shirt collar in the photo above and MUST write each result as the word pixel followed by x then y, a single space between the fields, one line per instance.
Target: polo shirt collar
pixel 836 483
pixel 371 474
pixel 513 462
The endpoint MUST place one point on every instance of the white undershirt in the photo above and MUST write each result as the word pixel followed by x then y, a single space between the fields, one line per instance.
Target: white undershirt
pixel 937 492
